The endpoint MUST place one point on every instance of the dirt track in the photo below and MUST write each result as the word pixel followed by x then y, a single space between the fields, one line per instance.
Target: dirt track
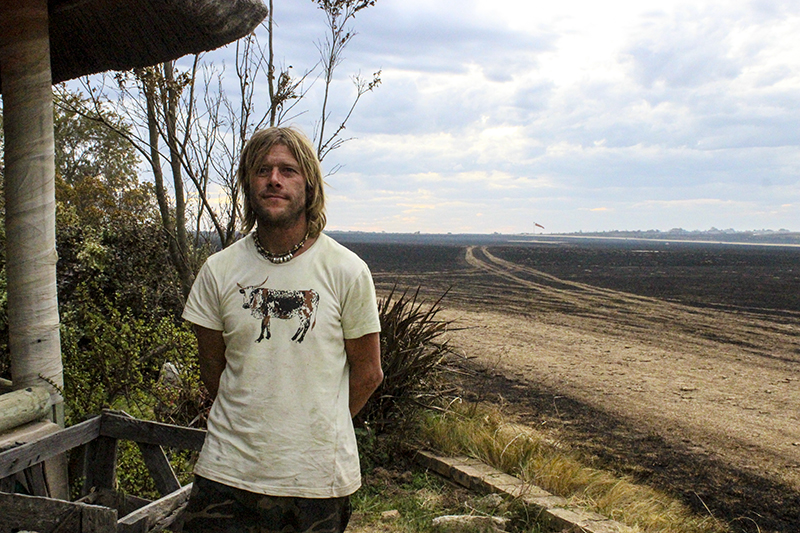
pixel 700 401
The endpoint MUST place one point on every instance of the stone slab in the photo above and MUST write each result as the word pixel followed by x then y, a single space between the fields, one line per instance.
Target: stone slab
pixel 480 477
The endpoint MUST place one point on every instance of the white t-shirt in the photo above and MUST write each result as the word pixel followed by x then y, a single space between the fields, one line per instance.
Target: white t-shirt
pixel 281 422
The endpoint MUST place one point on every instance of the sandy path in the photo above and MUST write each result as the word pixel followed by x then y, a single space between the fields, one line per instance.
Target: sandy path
pixel 723 401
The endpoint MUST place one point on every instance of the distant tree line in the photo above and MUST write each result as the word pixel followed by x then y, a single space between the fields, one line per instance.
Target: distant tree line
pixel 766 236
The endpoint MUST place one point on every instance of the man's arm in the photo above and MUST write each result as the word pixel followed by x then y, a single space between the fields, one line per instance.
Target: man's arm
pixel 211 351
pixel 364 356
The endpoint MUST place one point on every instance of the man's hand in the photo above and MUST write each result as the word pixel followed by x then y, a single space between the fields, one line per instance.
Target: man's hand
pixel 211 350
pixel 364 356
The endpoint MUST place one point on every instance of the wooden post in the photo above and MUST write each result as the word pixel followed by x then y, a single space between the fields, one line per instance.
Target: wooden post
pixel 155 460
pixel 33 321
pixel 35 479
pixel 161 471
pixel 23 406
pixel 100 464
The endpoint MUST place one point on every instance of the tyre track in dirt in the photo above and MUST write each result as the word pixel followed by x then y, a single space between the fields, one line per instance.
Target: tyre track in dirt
pixel 762 337
pixel 697 400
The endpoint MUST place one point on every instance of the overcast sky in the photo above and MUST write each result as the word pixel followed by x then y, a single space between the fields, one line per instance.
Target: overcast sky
pixel 578 115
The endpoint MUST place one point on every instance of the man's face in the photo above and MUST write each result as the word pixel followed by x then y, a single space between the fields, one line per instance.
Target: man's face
pixel 278 189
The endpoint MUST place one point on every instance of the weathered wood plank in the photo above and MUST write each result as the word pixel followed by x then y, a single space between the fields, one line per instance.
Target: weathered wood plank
pixel 157 464
pixel 123 503
pixel 57 476
pixel 17 437
pixel 22 406
pixel 160 470
pixel 55 468
pixel 161 512
pixel 7 484
pixel 19 458
pixel 34 513
pixel 100 464
pixel 35 479
pixel 27 433
pixel 123 427
pixel 138 527
pixel 98 520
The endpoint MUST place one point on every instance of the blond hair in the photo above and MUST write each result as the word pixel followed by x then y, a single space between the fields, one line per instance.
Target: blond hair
pixel 298 144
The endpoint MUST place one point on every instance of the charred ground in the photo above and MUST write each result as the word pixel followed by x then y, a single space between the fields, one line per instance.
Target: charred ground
pixel 723 309
pixel 729 276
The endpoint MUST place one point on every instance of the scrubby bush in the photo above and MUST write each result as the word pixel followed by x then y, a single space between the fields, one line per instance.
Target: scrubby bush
pixel 119 300
pixel 413 353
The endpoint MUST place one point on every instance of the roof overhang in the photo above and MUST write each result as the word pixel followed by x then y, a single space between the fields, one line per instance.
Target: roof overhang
pixel 91 36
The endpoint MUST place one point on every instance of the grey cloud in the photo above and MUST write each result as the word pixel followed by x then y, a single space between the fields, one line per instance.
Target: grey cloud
pixel 774 76
pixel 675 130
pixel 687 65
pixel 533 98
pixel 772 9
pixel 688 50
pixel 689 62
pixel 446 37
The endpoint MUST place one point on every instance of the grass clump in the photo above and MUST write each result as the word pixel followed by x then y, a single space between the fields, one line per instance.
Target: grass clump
pixel 391 501
pixel 483 432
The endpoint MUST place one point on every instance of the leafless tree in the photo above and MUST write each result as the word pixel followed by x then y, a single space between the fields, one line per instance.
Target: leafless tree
pixel 337 16
pixel 190 127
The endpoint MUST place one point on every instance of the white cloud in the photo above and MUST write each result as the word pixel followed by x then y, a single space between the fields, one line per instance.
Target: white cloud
pixel 625 114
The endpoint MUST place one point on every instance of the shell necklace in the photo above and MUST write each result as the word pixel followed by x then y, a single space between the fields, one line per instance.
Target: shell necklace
pixel 278 258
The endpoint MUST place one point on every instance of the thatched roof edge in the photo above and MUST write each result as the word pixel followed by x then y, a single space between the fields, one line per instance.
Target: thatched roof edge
pixel 91 36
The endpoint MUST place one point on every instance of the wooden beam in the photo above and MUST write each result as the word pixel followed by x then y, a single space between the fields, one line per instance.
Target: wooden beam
pixel 27 433
pixel 156 461
pixel 33 513
pixel 121 426
pixel 33 323
pixel 23 406
pixel 161 513
pixel 35 479
pixel 100 464
pixel 98 520
pixel 161 471
pixel 125 504
pixel 19 458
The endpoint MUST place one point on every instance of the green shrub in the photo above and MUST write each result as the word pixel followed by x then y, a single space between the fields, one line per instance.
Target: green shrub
pixel 412 355
pixel 112 357
pixel 132 474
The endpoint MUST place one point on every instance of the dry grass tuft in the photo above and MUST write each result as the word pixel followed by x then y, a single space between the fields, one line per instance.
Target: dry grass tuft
pixel 484 433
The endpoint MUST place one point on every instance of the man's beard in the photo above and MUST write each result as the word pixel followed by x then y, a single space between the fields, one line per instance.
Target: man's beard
pixel 285 219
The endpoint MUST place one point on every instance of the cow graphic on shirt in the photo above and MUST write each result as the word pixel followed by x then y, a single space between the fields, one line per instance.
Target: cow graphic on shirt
pixel 265 303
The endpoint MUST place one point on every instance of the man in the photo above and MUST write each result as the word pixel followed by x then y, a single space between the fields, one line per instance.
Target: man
pixel 288 334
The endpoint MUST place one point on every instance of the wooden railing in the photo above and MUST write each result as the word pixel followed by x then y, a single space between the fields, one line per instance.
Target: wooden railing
pixel 102 509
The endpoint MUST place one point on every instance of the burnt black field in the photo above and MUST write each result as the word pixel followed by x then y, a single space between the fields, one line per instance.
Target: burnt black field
pixel 745 277
pixel 757 287
pixel 755 278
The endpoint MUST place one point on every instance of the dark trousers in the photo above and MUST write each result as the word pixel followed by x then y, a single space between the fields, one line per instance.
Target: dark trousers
pixel 217 508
